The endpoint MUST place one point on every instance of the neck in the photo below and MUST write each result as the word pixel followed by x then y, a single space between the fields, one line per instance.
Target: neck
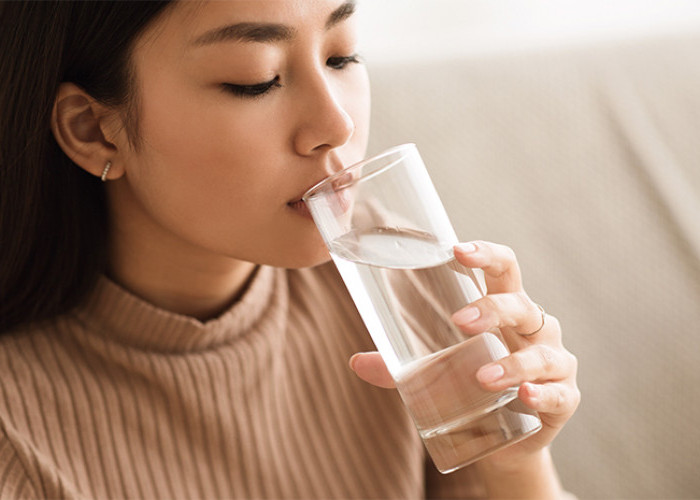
pixel 173 274
pixel 199 293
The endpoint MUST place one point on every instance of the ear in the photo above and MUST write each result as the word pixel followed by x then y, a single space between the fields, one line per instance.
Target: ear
pixel 78 123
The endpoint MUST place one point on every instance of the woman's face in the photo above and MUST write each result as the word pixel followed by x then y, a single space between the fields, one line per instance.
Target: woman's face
pixel 242 105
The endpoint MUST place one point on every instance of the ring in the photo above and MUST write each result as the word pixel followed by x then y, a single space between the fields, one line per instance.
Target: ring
pixel 544 315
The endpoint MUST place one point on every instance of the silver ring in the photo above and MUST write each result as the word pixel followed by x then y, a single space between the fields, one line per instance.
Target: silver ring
pixel 544 316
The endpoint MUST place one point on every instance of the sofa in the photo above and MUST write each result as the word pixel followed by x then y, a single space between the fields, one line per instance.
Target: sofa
pixel 585 159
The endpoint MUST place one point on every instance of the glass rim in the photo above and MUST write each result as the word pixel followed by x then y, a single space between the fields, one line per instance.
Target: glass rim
pixel 319 186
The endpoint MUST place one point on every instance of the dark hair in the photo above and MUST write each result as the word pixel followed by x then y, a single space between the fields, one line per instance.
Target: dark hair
pixel 53 218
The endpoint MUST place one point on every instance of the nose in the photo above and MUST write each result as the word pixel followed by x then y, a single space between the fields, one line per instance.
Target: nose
pixel 324 124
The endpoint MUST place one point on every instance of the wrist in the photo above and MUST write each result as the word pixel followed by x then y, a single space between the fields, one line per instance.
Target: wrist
pixel 498 464
pixel 533 476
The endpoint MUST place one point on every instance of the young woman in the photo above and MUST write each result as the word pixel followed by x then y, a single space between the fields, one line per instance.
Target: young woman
pixel 170 326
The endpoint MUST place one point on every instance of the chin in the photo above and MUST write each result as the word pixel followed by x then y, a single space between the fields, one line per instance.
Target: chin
pixel 295 254
pixel 306 259
pixel 303 249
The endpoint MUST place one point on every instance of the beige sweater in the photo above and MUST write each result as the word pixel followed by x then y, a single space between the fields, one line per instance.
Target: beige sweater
pixel 121 399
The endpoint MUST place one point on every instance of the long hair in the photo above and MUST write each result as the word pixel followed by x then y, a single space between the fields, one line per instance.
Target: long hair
pixel 53 217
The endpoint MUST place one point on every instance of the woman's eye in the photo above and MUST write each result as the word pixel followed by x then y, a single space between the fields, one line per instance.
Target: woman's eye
pixel 255 90
pixel 341 62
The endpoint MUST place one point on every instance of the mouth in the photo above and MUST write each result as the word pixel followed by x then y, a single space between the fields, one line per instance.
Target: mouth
pixel 339 202
pixel 300 208
pixel 298 204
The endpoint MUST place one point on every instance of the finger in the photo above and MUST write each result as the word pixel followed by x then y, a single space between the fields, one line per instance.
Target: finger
pixel 501 270
pixel 507 310
pixel 370 367
pixel 550 399
pixel 534 363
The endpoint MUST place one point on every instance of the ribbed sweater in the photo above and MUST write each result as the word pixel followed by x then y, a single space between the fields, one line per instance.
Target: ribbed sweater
pixel 121 399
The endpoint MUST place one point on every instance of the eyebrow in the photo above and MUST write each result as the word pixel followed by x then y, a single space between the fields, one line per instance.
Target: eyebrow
pixel 247 32
pixel 268 32
pixel 340 14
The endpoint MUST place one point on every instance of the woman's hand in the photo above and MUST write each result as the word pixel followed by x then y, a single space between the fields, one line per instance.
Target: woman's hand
pixel 539 364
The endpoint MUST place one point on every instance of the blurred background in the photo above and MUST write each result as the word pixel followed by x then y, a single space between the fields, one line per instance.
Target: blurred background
pixel 570 131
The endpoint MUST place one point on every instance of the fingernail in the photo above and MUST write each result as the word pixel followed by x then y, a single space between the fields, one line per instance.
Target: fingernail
pixel 466 315
pixel 353 360
pixel 466 247
pixel 533 392
pixel 490 373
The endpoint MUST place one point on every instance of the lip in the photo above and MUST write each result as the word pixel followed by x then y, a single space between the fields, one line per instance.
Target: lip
pixel 300 208
pixel 335 166
pixel 300 196
pixel 298 204
pixel 342 201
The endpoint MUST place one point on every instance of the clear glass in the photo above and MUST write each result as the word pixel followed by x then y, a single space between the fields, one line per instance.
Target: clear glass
pixel 391 239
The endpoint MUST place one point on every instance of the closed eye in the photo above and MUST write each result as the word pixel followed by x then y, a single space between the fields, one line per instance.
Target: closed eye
pixel 340 62
pixel 254 90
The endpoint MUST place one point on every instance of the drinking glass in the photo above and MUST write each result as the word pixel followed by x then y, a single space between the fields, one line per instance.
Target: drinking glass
pixel 392 242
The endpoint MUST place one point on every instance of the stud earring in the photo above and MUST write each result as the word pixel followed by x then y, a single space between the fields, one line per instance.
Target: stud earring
pixel 108 165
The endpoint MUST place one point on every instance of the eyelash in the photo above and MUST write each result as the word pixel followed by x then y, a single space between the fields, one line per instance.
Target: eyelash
pixel 340 62
pixel 259 89
pixel 252 91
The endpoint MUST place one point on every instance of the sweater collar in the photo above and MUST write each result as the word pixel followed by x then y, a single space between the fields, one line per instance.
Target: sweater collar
pixel 125 318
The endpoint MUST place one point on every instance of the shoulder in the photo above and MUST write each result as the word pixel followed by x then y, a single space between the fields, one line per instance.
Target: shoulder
pixel 32 387
pixel 16 348
pixel 16 477
pixel 323 315
pixel 27 378
pixel 22 352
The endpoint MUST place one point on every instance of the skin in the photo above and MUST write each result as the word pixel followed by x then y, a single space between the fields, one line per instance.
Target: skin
pixel 207 195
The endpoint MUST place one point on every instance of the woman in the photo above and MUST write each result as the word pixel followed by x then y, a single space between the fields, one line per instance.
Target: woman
pixel 175 330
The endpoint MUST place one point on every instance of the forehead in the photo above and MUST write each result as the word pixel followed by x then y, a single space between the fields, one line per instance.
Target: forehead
pixel 189 19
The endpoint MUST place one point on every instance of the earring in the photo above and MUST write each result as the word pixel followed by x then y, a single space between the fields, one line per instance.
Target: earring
pixel 108 165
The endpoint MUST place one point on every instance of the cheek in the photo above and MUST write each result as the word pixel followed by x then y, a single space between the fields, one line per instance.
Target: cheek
pixel 203 169
pixel 204 136
pixel 357 104
pixel 210 147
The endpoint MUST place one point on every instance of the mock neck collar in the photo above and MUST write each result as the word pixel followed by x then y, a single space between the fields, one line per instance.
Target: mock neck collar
pixel 115 312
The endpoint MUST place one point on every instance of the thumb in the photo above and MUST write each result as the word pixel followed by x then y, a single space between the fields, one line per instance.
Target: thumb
pixel 370 367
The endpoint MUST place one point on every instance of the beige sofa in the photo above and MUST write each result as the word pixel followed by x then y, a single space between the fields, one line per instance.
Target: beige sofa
pixel 585 160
